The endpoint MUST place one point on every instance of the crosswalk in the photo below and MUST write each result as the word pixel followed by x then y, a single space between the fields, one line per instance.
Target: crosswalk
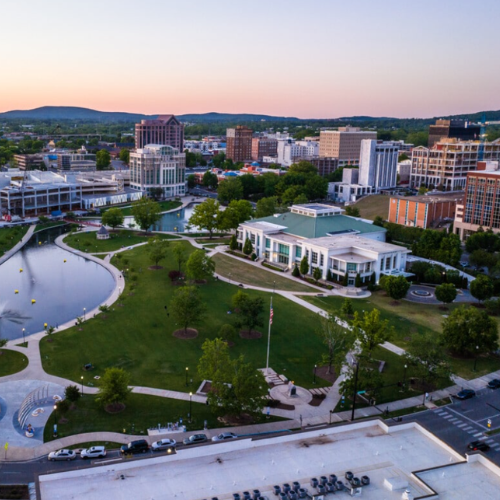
pixel 473 428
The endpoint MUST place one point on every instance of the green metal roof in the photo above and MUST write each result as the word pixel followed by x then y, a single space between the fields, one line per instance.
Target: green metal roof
pixel 316 227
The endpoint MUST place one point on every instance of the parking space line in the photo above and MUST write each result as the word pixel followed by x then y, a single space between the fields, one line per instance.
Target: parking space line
pixel 447 416
pixel 466 418
pixel 478 434
pixel 468 428
pixel 490 441
pixel 461 426
pixel 453 420
pixel 473 431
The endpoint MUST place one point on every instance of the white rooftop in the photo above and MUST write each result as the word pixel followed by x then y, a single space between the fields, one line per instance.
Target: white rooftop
pixel 399 455
pixel 347 241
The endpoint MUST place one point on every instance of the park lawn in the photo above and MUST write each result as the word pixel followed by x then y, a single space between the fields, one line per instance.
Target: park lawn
pixel 141 412
pixel 371 206
pixel 48 225
pixel 409 319
pixel 242 272
pixel 11 362
pixel 10 237
pixel 164 205
pixel 138 335
pixel 88 241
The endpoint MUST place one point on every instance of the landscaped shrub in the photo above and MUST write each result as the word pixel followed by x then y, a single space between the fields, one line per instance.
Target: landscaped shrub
pixel 174 275
pixel 253 256
pixel 269 266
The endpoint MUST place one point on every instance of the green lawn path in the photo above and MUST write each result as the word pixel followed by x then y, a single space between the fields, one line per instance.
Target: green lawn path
pixel 11 362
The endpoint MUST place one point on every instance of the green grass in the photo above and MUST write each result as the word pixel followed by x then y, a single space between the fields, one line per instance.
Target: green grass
pixel 11 362
pixel 138 336
pixel 242 272
pixel 141 413
pixel 371 206
pixel 47 225
pixel 403 412
pixel 10 237
pixel 164 205
pixel 88 241
pixel 410 319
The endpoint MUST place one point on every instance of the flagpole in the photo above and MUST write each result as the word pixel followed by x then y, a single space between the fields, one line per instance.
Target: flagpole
pixel 269 335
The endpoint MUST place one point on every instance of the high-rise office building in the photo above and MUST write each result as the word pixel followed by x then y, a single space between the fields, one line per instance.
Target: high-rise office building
pixel 343 144
pixel 239 144
pixel 378 164
pixel 449 129
pixel 166 130
pixel 263 146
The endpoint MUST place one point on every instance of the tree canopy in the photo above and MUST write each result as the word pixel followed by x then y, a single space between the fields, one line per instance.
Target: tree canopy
pixel 206 216
pixel 113 386
pixel 103 159
pixel 482 288
pixel 186 306
pixel 113 217
pixel 249 310
pixel 370 330
pixel 199 266
pixel 146 212
pixel 157 249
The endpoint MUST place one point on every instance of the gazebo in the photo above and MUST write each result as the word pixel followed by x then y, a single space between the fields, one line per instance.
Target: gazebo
pixel 103 233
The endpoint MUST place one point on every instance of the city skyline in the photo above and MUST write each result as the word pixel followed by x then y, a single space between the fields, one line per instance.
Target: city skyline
pixel 326 59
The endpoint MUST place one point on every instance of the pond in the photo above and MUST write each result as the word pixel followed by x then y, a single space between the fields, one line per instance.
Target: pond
pixel 61 289
pixel 173 221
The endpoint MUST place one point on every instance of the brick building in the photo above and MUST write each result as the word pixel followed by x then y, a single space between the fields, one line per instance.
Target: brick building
pixel 166 130
pixel 263 146
pixel 424 211
pixel 239 144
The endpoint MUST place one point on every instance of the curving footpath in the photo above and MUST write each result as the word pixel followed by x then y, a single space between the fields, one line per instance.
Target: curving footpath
pixel 7 255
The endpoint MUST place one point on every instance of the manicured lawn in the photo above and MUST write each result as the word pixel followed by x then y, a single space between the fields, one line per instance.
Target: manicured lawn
pixel 11 362
pixel 141 413
pixel 138 336
pixel 10 237
pixel 410 319
pixel 41 227
pixel 242 272
pixel 165 206
pixel 89 242
pixel 374 205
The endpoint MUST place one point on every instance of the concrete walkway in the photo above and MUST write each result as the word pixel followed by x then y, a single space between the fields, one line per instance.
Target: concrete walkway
pixel 7 255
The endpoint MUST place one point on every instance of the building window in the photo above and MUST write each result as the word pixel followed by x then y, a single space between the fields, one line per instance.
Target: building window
pixel 314 258
pixel 387 263
pixel 321 260
pixel 252 238
pixel 382 265
pixel 283 249
pixel 368 267
pixel 268 243
pixel 298 252
pixel 351 267
pixel 394 262
pixel 282 259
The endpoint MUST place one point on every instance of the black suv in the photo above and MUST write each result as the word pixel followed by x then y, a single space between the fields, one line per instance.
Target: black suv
pixel 139 446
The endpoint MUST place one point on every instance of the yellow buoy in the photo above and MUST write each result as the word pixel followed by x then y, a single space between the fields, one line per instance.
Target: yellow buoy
pixel 21 270
pixel 64 260
pixel 39 242
pixel 16 291
pixel 33 301
pixel 45 325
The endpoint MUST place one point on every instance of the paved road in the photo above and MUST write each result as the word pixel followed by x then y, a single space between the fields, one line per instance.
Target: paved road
pixel 464 421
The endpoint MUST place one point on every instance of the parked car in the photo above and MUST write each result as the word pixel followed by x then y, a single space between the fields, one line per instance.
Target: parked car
pixel 478 446
pixel 494 384
pixel 224 435
pixel 465 394
pixel 163 444
pixel 94 452
pixel 195 439
pixel 139 446
pixel 62 455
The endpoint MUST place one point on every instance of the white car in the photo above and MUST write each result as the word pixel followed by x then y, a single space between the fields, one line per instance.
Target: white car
pixel 223 436
pixel 62 455
pixel 94 452
pixel 163 444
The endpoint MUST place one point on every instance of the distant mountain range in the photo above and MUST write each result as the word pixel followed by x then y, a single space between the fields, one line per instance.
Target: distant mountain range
pixel 85 114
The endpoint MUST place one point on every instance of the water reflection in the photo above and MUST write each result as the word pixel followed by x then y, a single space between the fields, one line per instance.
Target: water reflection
pixel 60 290
pixel 173 221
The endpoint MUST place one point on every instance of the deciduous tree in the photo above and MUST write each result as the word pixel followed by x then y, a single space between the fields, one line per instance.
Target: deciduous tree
pixel 157 249
pixel 248 309
pixel 206 216
pixel 113 217
pixel 186 306
pixel 146 212
pixel 199 266
pixel 482 288
pixel 113 387
pixel 338 341
pixel 446 293
pixel 370 330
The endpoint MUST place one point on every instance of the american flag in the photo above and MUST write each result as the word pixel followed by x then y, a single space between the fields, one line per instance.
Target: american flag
pixel 271 316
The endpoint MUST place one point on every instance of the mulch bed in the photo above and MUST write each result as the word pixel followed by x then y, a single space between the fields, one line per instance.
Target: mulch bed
pixel 246 334
pixel 190 333
pixel 155 268
pixel 115 408
pixel 321 372
pixel 317 399
pixel 243 419
pixel 274 403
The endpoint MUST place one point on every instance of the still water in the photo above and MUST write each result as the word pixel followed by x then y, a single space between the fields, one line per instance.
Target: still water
pixel 173 221
pixel 61 289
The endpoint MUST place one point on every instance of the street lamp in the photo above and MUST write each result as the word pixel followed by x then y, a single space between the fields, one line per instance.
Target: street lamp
pixel 55 420
pixel 187 371
pixel 475 359
pixel 84 310
pixel 314 379
pixel 404 377
pixel 24 340
pixel 190 405
pixel 82 383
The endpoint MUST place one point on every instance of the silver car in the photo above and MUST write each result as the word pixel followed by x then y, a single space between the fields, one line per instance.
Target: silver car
pixel 94 452
pixel 223 436
pixel 163 444
pixel 62 455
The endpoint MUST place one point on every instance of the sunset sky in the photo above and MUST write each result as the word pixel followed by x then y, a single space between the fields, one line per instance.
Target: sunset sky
pixel 310 59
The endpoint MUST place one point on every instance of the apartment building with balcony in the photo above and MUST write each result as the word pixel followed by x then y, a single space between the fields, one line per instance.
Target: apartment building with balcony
pixel 158 166
pixel 331 241
pixel 449 161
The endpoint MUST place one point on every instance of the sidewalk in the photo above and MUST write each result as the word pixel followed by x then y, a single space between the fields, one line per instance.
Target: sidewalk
pixel 7 255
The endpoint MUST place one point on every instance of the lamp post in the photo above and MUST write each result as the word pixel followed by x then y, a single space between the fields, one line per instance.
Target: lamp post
pixel 404 377
pixel 187 371
pixel 314 378
pixel 475 359
pixel 24 340
pixel 82 383
pixel 84 310
pixel 55 420
pixel 190 405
